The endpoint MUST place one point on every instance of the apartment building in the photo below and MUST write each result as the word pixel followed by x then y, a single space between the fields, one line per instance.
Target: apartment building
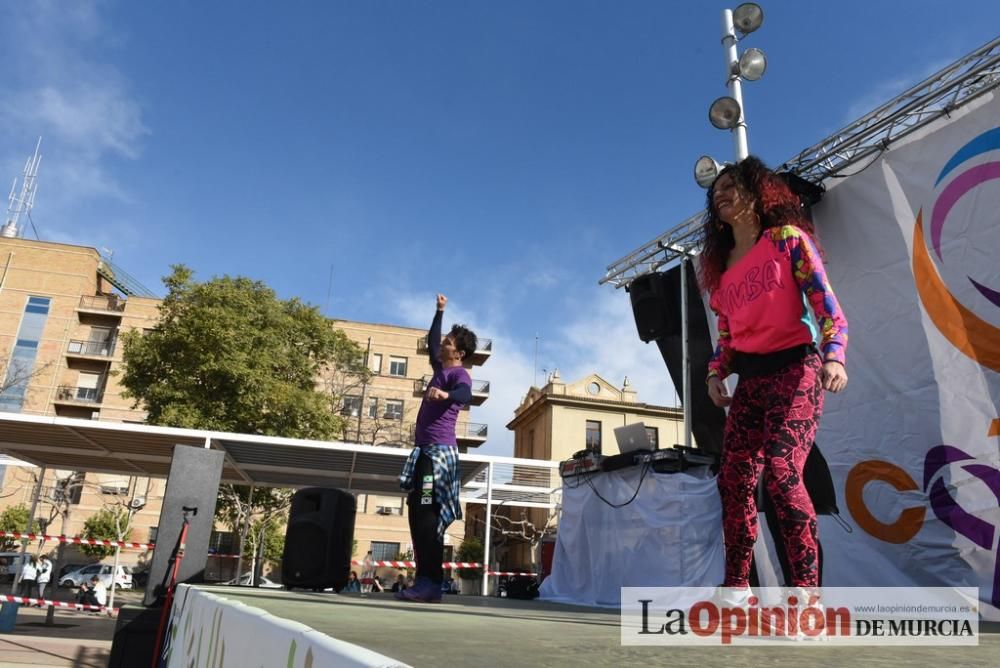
pixel 63 309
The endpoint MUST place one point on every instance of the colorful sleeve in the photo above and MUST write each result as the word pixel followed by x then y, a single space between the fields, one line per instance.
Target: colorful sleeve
pixel 720 363
pixel 811 278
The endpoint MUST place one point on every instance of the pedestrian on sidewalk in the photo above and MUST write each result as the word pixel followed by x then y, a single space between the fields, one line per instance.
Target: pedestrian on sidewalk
pixel 44 576
pixel 29 576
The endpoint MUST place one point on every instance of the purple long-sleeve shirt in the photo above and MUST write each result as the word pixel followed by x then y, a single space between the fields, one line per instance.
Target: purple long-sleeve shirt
pixel 436 419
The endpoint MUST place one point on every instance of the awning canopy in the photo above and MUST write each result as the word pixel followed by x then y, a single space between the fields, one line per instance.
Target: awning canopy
pixel 264 461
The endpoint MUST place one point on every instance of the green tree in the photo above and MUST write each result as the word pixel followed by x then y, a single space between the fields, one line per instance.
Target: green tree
pixel 273 534
pixel 14 518
pixel 105 524
pixel 229 355
pixel 471 551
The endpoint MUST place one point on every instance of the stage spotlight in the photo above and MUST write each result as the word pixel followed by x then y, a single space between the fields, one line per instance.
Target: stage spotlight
pixel 748 17
pixel 706 169
pixel 752 64
pixel 725 113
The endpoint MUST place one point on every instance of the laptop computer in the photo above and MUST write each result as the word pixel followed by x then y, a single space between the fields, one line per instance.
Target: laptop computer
pixel 633 437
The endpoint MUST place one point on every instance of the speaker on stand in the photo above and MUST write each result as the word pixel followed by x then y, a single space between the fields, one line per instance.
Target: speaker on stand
pixel 190 496
pixel 319 540
pixel 656 305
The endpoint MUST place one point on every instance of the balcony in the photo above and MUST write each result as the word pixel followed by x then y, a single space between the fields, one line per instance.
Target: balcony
pixel 480 389
pixel 484 349
pixel 102 350
pixel 102 305
pixel 78 396
pixel 471 434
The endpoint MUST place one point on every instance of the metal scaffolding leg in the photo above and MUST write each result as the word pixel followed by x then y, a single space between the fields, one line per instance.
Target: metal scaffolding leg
pixel 489 525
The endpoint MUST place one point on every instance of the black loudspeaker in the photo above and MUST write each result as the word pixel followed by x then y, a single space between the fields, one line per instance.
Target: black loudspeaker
pixel 708 421
pixel 520 587
pixel 319 539
pixel 135 637
pixel 655 307
pixel 193 484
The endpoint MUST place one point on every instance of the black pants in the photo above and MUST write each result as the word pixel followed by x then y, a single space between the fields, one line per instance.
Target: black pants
pixel 28 589
pixel 427 548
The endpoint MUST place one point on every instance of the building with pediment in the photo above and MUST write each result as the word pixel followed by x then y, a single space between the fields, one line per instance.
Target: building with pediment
pixel 554 422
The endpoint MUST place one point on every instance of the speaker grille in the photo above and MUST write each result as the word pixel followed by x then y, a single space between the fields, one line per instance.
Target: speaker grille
pixel 305 553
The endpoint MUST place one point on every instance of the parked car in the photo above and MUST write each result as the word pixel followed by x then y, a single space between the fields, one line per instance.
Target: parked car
pixel 69 568
pixel 123 579
pixel 10 564
pixel 244 581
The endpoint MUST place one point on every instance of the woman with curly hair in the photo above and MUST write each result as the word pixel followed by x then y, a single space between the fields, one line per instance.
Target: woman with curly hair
pixel 762 266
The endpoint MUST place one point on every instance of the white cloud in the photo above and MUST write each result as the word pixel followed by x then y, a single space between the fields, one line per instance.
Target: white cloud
pixel 602 339
pixel 60 88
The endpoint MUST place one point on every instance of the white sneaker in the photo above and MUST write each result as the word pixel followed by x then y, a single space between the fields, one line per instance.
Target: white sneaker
pixel 808 597
pixel 732 597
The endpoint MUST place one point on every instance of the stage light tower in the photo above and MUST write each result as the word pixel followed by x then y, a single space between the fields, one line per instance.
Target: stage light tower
pixel 727 112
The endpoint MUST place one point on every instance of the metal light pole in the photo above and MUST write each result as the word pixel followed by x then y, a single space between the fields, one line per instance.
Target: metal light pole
pixel 685 351
pixel 734 83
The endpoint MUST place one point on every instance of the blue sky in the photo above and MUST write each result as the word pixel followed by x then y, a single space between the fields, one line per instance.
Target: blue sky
pixel 500 152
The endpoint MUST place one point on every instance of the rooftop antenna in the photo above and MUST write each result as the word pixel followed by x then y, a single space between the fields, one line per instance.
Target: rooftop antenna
pixel 18 204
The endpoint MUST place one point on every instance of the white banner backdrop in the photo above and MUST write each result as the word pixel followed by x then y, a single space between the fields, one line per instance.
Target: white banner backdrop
pixel 912 244
pixel 209 631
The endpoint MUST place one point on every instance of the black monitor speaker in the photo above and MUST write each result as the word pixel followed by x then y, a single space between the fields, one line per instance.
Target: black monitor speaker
pixel 655 306
pixel 319 539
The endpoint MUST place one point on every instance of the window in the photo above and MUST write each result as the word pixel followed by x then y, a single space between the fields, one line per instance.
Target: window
pixel 376 363
pixel 87 386
pixel 397 366
pixel 382 551
pixel 653 434
pixel 223 542
pixel 352 406
pixel 393 409
pixel 594 436
pixel 115 488
pixel 69 488
pixel 388 505
pixel 373 407
pixel 22 359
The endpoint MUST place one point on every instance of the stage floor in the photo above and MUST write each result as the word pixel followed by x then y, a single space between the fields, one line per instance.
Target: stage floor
pixel 499 632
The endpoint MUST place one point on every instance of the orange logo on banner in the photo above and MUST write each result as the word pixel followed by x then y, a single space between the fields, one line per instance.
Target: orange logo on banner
pixel 964 329
pixel 909 521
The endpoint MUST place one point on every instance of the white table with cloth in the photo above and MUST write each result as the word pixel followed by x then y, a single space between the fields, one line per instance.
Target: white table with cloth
pixel 670 535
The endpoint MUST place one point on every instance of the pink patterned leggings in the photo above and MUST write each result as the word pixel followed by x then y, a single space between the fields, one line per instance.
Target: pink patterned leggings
pixel 771 425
